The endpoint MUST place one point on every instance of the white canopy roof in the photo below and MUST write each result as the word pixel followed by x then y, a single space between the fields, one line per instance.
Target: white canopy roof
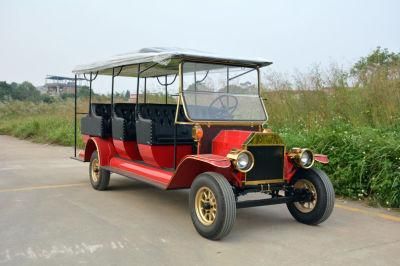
pixel 167 60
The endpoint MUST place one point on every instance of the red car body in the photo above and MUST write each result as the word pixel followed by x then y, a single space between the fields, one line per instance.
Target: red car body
pixel 125 157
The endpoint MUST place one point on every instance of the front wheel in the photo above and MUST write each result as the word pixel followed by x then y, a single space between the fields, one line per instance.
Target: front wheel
pixel 213 206
pixel 320 206
pixel 99 178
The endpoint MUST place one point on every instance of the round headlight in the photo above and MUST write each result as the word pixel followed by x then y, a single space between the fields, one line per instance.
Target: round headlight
pixel 244 161
pixel 306 158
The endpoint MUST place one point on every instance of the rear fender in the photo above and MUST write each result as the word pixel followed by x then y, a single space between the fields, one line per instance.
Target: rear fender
pixel 104 147
pixel 193 165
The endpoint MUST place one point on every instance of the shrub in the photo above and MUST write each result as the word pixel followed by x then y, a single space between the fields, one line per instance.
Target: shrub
pixel 364 162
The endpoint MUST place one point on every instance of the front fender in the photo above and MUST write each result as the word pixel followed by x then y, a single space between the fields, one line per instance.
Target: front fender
pixel 193 165
pixel 291 168
pixel 321 158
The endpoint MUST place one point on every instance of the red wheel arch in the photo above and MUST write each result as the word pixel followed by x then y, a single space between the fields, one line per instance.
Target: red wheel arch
pixel 104 147
pixel 193 165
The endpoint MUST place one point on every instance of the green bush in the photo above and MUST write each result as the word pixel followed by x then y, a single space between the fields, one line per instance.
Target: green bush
pixel 364 162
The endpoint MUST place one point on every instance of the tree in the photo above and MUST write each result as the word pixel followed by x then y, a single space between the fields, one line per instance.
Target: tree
pixel 83 91
pixel 5 91
pixel 378 61
pixel 22 92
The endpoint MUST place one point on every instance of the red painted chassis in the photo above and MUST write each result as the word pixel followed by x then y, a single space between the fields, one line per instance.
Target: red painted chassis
pixel 189 166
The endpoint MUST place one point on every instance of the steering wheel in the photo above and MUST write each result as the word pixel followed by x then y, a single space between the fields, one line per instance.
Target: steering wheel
pixel 227 103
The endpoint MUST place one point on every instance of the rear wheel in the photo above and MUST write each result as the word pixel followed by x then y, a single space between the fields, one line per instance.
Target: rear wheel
pixel 320 206
pixel 99 178
pixel 213 206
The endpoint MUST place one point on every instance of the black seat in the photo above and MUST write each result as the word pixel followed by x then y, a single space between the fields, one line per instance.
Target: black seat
pixel 155 125
pixel 98 121
pixel 123 122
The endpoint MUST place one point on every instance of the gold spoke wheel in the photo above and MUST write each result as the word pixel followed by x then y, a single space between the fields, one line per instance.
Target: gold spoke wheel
pixel 306 207
pixel 95 170
pixel 206 206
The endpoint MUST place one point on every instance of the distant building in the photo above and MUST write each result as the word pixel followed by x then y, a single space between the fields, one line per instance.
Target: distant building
pixel 57 85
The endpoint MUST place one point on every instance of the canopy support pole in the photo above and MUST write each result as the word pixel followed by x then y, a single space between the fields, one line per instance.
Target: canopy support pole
pixel 145 90
pixel 195 85
pixel 90 94
pixel 227 79
pixel 175 142
pixel 195 79
pixel 137 92
pixel 75 108
pixel 112 93
pixel 259 81
pixel 166 90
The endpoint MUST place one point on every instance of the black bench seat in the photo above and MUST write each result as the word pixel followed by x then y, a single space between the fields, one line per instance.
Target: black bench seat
pixel 155 125
pixel 98 121
pixel 123 122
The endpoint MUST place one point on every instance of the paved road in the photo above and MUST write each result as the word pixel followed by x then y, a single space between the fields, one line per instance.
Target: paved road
pixel 50 215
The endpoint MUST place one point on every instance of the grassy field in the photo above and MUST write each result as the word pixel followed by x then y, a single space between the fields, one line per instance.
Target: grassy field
pixel 40 122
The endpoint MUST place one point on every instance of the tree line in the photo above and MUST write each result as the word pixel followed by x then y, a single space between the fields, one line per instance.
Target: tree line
pixel 23 92
pixel 26 91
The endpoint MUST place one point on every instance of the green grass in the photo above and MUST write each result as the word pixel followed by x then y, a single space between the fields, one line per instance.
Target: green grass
pixel 357 127
pixel 39 122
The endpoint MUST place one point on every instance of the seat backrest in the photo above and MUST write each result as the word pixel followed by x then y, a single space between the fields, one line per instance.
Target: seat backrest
pixel 162 118
pixel 125 110
pixel 101 109
pixel 161 114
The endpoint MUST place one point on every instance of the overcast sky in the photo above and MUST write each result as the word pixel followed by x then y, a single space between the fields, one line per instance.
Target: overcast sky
pixel 51 37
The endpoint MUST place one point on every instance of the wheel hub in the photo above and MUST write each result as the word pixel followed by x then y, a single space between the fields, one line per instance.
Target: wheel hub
pixel 95 170
pixel 206 206
pixel 309 204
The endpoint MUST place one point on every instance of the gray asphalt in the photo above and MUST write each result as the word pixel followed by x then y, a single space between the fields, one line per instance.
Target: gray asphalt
pixel 50 215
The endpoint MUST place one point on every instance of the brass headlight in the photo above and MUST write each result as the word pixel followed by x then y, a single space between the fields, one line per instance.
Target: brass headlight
pixel 302 157
pixel 242 160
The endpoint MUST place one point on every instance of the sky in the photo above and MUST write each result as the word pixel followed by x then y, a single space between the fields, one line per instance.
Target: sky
pixel 52 37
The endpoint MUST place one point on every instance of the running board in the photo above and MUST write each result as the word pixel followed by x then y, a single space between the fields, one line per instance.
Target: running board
pixel 133 176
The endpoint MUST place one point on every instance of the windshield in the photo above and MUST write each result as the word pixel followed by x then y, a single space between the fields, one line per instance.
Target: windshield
pixel 214 92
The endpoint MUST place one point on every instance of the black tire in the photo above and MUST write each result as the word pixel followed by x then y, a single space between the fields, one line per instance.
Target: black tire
pixel 325 197
pixel 101 181
pixel 225 207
